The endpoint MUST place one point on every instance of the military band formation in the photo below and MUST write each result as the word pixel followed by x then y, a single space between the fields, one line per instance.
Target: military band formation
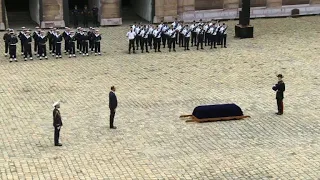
pixel 83 41
pixel 148 37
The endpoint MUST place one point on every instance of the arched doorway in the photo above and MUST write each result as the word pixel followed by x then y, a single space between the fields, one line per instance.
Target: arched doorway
pixel 22 13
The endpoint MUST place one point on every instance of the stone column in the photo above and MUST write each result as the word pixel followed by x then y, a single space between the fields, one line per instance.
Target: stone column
pixel 2 25
pixel 274 3
pixel 165 10
pixel 110 12
pixel 185 5
pixel 52 13
pixel 231 4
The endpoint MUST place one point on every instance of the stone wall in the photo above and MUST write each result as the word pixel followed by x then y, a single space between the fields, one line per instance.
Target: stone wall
pixel 2 25
pixel 165 10
pixel 52 13
pixel 110 12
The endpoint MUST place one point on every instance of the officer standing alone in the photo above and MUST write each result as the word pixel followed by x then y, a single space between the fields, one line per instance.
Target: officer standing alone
pixel 113 103
pixel 131 36
pixel 279 88
pixel 57 123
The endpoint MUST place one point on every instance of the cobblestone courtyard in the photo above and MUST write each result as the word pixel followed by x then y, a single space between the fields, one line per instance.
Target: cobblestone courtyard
pixel 153 89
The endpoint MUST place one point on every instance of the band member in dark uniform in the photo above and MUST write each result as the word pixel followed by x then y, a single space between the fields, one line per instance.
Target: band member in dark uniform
pixel 96 40
pixel 72 44
pixel 280 88
pixel 79 35
pixel 35 37
pixel 42 39
pixel 137 30
pixel 113 103
pixel 21 37
pixel 13 40
pixel 6 37
pixel 157 39
pixel 131 36
pixel 85 14
pixel 58 41
pixel 150 35
pixel 91 37
pixel 57 123
pixel 171 34
pixel 164 36
pixel 95 12
pixel 186 33
pixel 224 35
pixel 50 36
pixel 27 41
pixel 200 37
pixel 193 28
pixel 144 39
pixel 75 14
pixel 66 37
pixel 85 43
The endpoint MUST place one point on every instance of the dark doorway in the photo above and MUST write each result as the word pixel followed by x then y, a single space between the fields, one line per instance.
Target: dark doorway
pixel 22 13
pixel 17 5
pixel 79 3
pixel 128 12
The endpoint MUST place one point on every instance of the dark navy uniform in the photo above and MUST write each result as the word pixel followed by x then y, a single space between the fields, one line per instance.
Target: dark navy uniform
pixel 75 14
pixel 42 40
pixel 13 40
pixel 6 37
pixel 95 12
pixel 85 13
pixel 72 45
pixel 279 88
pixel 66 38
pixel 35 38
pixel 50 36
pixel 113 103
pixel 96 40
pixel 27 41
pixel 57 123
pixel 21 37
pixel 58 41
pixel 85 44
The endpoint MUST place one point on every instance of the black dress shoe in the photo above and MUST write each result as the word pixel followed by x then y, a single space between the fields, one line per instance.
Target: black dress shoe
pixel 59 144
pixel 114 127
pixel 279 113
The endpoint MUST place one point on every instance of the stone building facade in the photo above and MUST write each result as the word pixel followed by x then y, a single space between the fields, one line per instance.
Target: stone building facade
pixel 52 12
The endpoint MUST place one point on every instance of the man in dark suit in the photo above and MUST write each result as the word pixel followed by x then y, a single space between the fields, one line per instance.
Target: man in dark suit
pixel 280 88
pixel 113 103
pixel 57 123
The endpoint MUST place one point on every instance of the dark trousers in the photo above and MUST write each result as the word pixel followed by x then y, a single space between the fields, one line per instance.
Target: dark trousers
pixel 6 48
pixel 97 47
pixel 91 45
pixel 79 45
pixel 85 46
pixel 193 38
pixel 66 46
pixel 181 39
pixel 42 50
pixel 156 44
pixel 27 50
pixel 22 46
pixel 85 21
pixel 95 20
pixel 213 40
pixel 58 49
pixel 172 43
pixel 72 48
pixel 200 41
pixel 144 43
pixel 150 40
pixel 56 135
pixel 224 40
pixel 164 39
pixel 186 43
pixel 280 105
pixel 50 45
pixel 75 21
pixel 35 48
pixel 138 38
pixel 218 38
pixel 13 51
pixel 112 114
pixel 207 39
pixel 176 39
pixel 131 45
pixel 53 47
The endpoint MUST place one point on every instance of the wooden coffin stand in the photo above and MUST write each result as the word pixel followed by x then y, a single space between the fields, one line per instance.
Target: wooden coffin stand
pixel 212 113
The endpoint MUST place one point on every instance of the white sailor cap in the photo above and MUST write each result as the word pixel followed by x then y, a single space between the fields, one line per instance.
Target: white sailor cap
pixel 56 104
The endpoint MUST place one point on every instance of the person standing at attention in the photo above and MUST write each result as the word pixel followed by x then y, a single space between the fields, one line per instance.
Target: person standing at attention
pixel 113 103
pixel 280 88
pixel 57 123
